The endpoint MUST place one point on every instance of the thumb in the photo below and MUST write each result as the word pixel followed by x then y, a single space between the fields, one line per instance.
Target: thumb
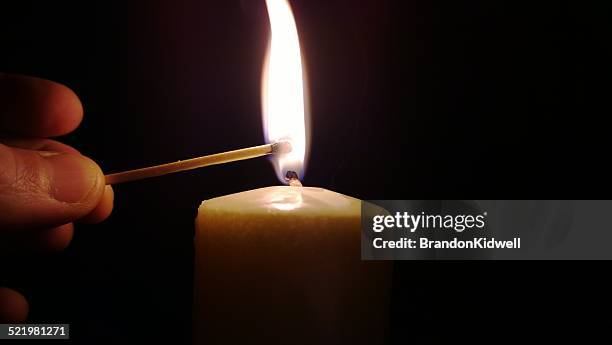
pixel 43 189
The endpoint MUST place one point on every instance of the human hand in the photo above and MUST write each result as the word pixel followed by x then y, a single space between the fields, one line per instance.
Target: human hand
pixel 44 184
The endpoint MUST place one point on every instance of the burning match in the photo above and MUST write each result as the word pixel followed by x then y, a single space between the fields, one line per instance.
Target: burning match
pixel 279 147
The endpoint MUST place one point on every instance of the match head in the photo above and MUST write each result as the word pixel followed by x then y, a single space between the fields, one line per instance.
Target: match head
pixel 281 147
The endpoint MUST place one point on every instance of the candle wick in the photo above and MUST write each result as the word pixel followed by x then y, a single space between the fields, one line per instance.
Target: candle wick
pixel 292 178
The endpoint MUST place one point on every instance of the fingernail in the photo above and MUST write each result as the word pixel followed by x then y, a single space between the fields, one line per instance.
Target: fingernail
pixel 73 177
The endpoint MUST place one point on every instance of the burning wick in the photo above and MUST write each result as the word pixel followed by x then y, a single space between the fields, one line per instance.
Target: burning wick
pixel 279 147
pixel 292 179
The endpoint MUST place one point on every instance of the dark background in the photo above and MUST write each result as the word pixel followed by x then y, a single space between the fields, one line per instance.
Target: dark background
pixel 410 100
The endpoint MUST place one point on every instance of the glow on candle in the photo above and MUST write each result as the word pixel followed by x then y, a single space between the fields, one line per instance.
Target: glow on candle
pixel 283 98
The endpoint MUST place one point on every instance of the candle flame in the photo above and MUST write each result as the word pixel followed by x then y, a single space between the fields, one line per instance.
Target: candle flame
pixel 283 98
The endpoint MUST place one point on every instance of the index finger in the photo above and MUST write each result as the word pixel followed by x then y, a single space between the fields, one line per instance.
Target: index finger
pixel 37 107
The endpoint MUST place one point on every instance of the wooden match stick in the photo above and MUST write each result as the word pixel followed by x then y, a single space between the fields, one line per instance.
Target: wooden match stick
pixel 194 163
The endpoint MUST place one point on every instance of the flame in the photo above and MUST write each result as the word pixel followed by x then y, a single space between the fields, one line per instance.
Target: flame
pixel 283 98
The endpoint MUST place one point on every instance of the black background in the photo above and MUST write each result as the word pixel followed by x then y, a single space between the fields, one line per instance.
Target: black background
pixel 409 100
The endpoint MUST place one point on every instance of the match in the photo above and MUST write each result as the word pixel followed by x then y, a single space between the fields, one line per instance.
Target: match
pixel 199 162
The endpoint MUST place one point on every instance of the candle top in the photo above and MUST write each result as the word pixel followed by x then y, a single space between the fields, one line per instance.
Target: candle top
pixel 306 201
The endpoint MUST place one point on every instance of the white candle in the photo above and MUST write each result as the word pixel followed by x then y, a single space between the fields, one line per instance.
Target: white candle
pixel 282 265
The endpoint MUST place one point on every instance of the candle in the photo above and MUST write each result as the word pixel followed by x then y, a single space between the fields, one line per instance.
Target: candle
pixel 282 265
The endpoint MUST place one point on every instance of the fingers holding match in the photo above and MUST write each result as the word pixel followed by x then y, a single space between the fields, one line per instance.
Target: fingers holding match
pixel 44 189
pixel 49 147
pixel 63 185
pixel 44 185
